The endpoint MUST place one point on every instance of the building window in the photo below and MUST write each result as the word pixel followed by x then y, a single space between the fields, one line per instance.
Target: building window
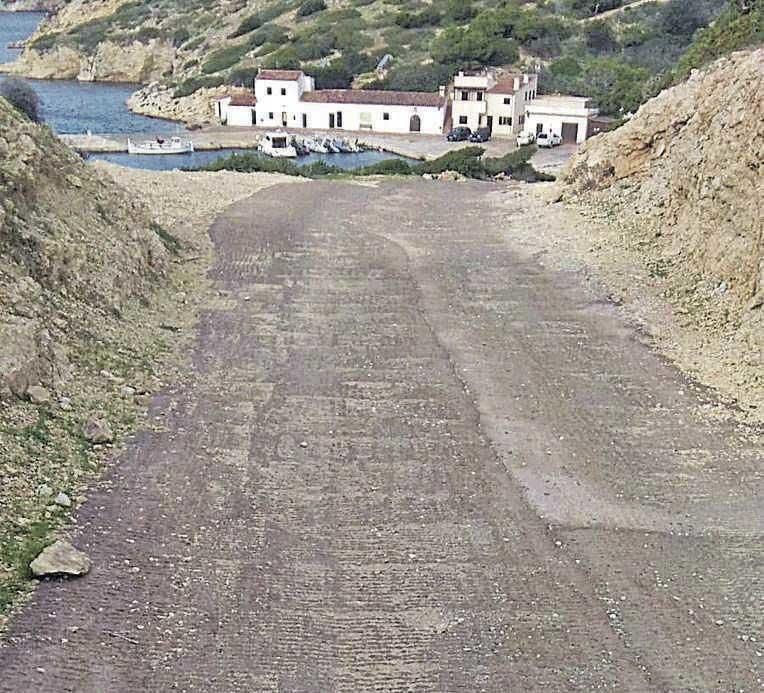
pixel 507 100
pixel 270 116
pixel 283 91
pixel 269 91
pixel 505 120
pixel 480 96
pixel 462 120
pixel 465 96
pixel 385 116
pixel 521 120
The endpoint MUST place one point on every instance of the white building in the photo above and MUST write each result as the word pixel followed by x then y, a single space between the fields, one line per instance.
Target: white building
pixel 236 110
pixel 483 100
pixel 566 116
pixel 288 98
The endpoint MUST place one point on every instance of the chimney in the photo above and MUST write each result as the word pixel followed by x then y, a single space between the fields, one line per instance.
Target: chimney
pixel 442 90
pixel 517 84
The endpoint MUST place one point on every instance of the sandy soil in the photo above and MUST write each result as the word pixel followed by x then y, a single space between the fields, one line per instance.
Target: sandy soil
pixel 575 238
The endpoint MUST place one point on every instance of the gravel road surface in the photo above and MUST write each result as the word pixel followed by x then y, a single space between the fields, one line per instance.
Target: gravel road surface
pixel 410 458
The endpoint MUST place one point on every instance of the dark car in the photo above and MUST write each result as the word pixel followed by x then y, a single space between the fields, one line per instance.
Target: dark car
pixel 480 135
pixel 460 134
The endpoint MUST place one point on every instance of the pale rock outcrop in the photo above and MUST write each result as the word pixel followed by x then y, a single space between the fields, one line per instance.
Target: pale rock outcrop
pixel 682 184
pixel 111 62
pixel 158 101
pixel 691 163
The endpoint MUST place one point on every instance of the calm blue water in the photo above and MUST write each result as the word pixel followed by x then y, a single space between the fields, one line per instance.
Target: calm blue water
pixel 75 107
pixel 168 162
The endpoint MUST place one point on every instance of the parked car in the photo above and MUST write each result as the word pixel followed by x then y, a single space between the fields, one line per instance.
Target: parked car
pixel 548 139
pixel 480 135
pixel 526 138
pixel 459 134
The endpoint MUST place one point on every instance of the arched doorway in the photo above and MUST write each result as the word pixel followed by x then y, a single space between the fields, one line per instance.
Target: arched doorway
pixel 415 124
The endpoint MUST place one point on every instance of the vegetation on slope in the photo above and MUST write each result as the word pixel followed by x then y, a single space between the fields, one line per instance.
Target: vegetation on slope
pixel 82 264
pixel 620 60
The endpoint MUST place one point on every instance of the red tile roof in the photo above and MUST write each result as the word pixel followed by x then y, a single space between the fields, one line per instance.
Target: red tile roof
pixel 243 100
pixel 280 75
pixel 504 86
pixel 374 98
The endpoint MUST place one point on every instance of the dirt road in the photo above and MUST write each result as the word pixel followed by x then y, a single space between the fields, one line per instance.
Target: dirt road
pixel 410 458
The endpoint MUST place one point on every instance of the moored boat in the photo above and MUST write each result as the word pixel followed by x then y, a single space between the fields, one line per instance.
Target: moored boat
pixel 314 145
pixel 329 146
pixel 175 145
pixel 277 144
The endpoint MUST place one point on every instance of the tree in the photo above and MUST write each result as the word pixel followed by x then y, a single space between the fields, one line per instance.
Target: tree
pixel 599 37
pixel 22 97
pixel 680 18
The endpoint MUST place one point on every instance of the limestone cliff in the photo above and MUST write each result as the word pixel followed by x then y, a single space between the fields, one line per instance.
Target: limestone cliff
pixel 684 183
pixel 75 43
pixel 76 249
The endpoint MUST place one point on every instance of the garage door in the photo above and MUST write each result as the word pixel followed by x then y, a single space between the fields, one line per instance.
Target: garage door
pixel 570 133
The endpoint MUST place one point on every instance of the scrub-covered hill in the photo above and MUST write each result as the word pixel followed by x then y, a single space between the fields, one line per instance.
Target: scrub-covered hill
pixel 187 46
pixel 81 261
pixel 682 184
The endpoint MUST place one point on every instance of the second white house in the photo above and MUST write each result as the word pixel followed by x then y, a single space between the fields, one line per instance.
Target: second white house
pixel 288 98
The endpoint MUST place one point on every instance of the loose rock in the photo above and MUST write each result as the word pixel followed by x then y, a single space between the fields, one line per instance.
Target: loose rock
pixel 37 394
pixel 97 431
pixel 60 558
pixel 63 500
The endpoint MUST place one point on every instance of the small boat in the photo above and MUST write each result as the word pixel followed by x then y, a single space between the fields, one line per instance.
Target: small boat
pixel 328 144
pixel 315 146
pixel 300 146
pixel 342 145
pixel 276 144
pixel 175 145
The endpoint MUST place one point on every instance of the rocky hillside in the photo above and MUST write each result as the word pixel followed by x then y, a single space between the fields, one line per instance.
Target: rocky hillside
pixel 82 288
pixel 185 47
pixel 75 248
pixel 31 5
pixel 685 181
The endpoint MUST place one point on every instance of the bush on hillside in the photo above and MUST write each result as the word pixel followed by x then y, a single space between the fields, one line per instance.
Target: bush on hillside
pixel 465 161
pixel 224 58
pixel 310 7
pixel 738 27
pixel 22 97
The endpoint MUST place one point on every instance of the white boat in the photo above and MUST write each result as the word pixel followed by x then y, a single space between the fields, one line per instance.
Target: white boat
pixel 328 144
pixel 277 144
pixel 341 145
pixel 315 145
pixel 175 145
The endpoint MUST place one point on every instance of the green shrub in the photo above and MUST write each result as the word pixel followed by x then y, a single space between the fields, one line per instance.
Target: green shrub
pixel 22 97
pixel 734 30
pixel 465 161
pixel 310 7
pixel 193 84
pixel 388 167
pixel 517 165
pixel 224 58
